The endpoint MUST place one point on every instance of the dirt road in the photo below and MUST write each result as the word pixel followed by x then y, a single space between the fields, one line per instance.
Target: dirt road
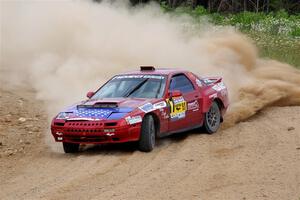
pixel 256 159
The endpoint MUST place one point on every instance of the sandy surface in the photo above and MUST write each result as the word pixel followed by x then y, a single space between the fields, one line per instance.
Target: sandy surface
pixel 256 159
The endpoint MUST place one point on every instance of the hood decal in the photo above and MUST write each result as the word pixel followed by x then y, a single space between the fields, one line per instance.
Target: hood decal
pixel 115 108
pixel 94 113
pixel 83 113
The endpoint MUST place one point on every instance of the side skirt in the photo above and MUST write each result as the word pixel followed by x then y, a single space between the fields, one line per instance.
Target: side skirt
pixel 178 131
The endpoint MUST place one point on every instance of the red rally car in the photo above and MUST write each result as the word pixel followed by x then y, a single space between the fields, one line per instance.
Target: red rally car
pixel 142 106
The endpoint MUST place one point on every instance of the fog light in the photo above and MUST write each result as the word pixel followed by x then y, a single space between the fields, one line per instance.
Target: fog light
pixel 59 138
pixel 59 133
pixel 109 130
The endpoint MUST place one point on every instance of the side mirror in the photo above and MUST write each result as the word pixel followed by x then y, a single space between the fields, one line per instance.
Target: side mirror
pixel 175 93
pixel 90 94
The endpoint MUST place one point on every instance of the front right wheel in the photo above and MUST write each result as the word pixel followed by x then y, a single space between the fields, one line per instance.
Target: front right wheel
pixel 212 119
pixel 147 137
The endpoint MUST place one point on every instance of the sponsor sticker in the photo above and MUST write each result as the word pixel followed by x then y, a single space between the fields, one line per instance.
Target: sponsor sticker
pixel 178 116
pixel 178 100
pixel 163 113
pixel 153 76
pixel 148 107
pixel 128 76
pixel 139 76
pixel 160 105
pixel 194 106
pixel 219 86
pixel 212 96
pixel 133 120
pixel 198 82
pixel 178 107
pixel 207 81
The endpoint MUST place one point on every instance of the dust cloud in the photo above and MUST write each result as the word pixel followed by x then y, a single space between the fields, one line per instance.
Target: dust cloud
pixel 65 48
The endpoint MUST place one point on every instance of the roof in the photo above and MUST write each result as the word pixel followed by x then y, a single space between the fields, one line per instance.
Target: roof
pixel 162 71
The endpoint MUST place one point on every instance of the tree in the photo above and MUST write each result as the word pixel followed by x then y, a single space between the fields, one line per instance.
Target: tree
pixel 291 6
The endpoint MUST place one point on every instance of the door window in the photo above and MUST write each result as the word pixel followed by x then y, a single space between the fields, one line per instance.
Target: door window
pixel 182 83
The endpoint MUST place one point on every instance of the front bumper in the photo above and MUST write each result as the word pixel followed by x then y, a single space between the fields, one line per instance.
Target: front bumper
pixel 95 132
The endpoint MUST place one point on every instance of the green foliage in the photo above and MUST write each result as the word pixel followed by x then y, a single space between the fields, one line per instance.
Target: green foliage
pixel 277 34
pixel 274 23
pixel 282 14
pixel 282 48
pixel 295 32
pixel 165 7
pixel 244 19
pixel 233 6
pixel 199 11
pixel 217 18
pixel 279 23
pixel 183 10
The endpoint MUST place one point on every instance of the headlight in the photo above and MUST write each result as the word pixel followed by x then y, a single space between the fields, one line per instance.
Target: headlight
pixel 63 115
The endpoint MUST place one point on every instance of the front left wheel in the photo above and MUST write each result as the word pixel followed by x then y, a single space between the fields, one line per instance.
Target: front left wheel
pixel 70 147
pixel 147 137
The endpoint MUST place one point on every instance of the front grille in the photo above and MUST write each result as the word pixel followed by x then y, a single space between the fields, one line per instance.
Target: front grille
pixel 85 123
pixel 83 127
pixel 84 130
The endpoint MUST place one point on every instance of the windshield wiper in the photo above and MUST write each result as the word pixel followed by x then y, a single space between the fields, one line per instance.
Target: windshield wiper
pixel 136 87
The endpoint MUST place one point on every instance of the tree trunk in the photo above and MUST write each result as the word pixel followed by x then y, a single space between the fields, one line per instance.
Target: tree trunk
pixel 220 6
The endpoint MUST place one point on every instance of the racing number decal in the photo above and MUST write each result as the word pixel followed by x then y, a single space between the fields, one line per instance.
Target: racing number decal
pixel 178 107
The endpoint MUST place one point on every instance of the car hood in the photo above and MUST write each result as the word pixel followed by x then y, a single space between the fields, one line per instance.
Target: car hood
pixel 111 108
pixel 120 102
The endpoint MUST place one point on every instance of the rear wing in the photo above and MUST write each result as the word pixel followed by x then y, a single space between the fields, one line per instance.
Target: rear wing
pixel 211 80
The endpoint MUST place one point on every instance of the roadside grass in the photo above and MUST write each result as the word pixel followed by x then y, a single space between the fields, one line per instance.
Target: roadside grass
pixel 281 48
pixel 277 35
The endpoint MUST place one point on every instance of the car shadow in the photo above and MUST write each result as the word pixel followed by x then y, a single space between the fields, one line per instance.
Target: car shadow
pixel 131 147
pixel 180 137
pixel 122 148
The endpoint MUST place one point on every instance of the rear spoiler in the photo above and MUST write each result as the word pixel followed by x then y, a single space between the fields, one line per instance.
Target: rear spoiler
pixel 211 80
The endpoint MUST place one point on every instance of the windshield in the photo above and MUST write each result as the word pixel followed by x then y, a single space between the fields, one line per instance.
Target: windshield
pixel 134 86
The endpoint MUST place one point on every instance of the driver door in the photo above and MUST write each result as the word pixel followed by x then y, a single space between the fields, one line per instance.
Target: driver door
pixel 183 108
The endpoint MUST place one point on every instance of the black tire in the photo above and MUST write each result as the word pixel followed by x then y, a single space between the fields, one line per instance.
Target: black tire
pixel 70 147
pixel 212 119
pixel 147 137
